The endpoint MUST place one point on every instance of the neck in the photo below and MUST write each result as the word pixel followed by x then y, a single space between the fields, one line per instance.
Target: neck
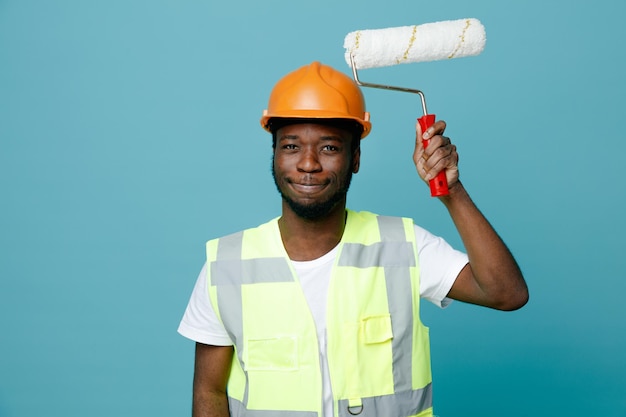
pixel 306 239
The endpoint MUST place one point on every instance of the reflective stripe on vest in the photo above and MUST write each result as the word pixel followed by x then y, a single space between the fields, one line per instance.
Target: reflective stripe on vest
pixel 408 403
pixel 391 253
pixel 236 408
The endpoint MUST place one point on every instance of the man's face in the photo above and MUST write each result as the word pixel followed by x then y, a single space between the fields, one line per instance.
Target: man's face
pixel 312 168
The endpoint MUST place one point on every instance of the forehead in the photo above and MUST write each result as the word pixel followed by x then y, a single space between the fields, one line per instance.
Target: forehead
pixel 313 129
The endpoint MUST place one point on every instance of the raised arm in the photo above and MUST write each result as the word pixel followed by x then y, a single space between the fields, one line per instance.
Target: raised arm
pixel 492 278
pixel 211 373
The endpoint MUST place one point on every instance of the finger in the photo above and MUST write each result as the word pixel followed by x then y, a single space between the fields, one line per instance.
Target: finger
pixel 433 162
pixel 421 169
pixel 436 129
pixel 435 143
pixel 422 156
pixel 437 153
pixel 443 158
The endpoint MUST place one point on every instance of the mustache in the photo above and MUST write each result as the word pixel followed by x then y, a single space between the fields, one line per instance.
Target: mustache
pixel 306 180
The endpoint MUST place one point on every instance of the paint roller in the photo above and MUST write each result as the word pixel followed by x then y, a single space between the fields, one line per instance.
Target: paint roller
pixel 375 48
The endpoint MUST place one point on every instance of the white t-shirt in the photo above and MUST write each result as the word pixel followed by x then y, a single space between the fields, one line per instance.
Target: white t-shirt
pixel 439 265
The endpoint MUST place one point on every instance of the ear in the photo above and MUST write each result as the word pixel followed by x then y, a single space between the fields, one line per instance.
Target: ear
pixel 356 160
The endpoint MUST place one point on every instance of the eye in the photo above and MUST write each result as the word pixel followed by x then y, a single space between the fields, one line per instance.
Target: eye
pixel 330 148
pixel 289 146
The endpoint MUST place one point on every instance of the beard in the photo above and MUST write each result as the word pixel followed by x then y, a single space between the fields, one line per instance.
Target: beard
pixel 318 209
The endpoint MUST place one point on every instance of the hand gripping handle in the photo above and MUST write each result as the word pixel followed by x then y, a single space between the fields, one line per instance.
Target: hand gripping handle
pixel 439 184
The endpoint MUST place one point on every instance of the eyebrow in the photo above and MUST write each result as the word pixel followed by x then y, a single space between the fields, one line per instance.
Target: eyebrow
pixel 288 137
pixel 324 138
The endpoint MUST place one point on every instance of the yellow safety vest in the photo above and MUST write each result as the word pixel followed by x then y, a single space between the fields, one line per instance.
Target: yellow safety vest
pixel 378 349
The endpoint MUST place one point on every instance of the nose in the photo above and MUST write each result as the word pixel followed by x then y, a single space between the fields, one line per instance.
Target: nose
pixel 309 161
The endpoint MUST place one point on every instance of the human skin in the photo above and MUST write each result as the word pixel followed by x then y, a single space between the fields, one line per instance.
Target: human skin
pixel 311 166
pixel 492 277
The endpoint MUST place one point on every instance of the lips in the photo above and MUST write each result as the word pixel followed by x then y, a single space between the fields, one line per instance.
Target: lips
pixel 307 185
pixel 307 188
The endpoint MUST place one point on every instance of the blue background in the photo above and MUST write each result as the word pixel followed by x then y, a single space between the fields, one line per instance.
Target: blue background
pixel 129 135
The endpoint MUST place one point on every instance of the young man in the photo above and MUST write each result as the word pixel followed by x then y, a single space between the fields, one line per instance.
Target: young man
pixel 316 313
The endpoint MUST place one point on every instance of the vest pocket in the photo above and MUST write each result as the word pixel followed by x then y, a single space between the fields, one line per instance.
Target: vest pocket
pixel 376 329
pixel 365 354
pixel 272 354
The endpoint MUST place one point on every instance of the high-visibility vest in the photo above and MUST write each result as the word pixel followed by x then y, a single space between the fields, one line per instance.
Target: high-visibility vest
pixel 378 349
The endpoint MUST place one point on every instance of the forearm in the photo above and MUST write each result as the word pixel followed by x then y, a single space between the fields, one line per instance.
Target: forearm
pixel 497 278
pixel 211 371
pixel 209 404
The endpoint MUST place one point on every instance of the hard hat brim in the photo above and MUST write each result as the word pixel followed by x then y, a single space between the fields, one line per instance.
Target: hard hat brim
pixel 315 114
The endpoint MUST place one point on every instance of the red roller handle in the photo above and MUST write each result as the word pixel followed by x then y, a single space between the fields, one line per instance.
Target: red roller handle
pixel 439 184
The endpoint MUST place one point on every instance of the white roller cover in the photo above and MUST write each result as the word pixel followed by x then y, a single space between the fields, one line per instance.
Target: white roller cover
pixel 427 42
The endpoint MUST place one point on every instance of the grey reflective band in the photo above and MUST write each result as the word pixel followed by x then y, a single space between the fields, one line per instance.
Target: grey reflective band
pixel 399 292
pixel 391 229
pixel 406 403
pixel 229 272
pixel 229 296
pixel 380 254
pixel 396 256
pixel 237 409
pixel 400 301
pixel 250 271
pixel 229 247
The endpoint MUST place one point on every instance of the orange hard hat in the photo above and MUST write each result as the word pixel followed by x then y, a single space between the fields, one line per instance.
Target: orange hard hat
pixel 317 91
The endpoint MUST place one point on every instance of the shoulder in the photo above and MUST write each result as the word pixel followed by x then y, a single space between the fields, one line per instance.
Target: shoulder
pixel 368 216
pixel 255 242
pixel 262 228
pixel 367 228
